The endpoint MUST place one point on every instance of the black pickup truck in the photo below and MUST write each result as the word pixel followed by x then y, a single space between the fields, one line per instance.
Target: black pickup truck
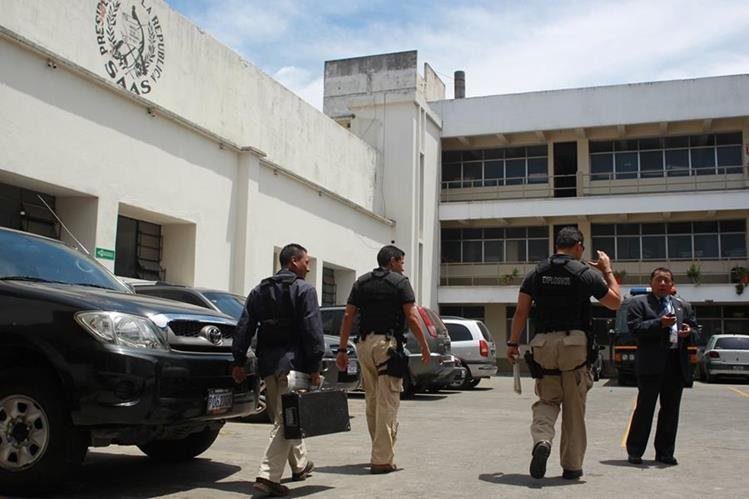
pixel 86 362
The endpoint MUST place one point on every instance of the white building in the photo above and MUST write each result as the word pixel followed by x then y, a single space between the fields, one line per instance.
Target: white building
pixel 654 174
pixel 173 158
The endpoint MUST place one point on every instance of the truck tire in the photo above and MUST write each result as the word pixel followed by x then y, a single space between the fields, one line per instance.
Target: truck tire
pixel 39 447
pixel 182 449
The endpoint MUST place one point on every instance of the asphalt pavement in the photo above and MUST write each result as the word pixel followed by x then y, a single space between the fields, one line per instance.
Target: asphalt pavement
pixel 472 443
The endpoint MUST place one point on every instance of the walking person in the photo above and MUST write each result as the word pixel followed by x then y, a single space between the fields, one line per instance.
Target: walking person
pixel 663 324
pixel 385 300
pixel 560 288
pixel 284 311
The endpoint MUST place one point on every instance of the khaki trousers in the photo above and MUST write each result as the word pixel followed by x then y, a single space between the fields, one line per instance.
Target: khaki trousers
pixel 279 449
pixel 382 396
pixel 558 350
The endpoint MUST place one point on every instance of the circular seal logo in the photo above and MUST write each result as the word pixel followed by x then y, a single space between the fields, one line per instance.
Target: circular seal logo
pixel 131 41
pixel 212 334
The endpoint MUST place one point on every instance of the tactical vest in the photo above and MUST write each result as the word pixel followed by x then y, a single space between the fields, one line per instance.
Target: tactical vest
pixel 277 326
pixel 561 302
pixel 382 310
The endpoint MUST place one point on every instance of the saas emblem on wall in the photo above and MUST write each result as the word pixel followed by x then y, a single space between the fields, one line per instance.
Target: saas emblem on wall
pixel 131 42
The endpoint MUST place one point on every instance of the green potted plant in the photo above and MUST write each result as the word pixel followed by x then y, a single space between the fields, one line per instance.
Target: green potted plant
pixel 739 275
pixel 619 275
pixel 509 278
pixel 694 273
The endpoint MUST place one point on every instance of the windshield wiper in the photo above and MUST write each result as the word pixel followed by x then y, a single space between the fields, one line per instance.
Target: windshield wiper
pixel 91 285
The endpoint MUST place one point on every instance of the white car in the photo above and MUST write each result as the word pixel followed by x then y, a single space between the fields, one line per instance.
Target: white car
pixel 725 355
pixel 473 344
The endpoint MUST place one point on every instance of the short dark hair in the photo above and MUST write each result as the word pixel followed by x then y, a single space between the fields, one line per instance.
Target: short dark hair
pixel 387 253
pixel 290 252
pixel 568 236
pixel 661 269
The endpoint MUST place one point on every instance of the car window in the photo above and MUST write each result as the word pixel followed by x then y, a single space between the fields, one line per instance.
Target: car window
pixel 458 332
pixel 331 322
pixel 485 332
pixel 735 343
pixel 29 258
pixel 231 305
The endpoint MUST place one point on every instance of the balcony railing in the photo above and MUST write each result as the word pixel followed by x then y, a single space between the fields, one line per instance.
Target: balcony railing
pixel 637 272
pixel 586 184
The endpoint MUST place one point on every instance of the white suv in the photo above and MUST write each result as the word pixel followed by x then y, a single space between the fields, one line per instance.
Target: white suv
pixel 473 344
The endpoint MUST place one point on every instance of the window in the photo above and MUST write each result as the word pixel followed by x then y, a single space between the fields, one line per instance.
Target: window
pixel 466 311
pixel 495 167
pixel 708 154
pixel 138 249
pixel 495 245
pixel 725 319
pixel 458 332
pixel 21 209
pixel 724 240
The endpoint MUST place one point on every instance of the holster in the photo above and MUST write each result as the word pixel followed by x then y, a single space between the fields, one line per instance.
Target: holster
pixel 396 365
pixel 534 367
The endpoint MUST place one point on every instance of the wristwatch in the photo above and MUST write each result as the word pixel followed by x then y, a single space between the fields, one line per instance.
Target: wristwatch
pixel 512 344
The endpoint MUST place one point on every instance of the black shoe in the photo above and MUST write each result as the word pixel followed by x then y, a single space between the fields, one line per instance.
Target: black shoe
pixel 381 469
pixel 271 488
pixel 572 474
pixel 670 460
pixel 540 454
pixel 302 475
pixel 634 460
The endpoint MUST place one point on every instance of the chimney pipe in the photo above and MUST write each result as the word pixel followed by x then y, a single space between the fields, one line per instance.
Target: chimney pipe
pixel 460 84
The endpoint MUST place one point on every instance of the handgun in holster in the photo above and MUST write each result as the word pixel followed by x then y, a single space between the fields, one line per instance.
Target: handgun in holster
pixel 397 363
pixel 534 367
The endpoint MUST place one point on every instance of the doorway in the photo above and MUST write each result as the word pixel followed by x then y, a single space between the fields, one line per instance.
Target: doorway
pixel 565 169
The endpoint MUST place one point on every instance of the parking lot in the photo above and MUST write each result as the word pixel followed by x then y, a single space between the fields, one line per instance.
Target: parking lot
pixel 460 444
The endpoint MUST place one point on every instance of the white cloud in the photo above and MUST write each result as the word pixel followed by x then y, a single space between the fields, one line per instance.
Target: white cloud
pixel 503 46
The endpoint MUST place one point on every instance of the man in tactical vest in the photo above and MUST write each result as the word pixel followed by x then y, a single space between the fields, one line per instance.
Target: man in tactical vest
pixel 561 288
pixel 385 299
pixel 284 311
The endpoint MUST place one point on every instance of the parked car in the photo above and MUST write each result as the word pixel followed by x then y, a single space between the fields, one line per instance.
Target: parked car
pixel 726 355
pixel 473 344
pixel 86 362
pixel 441 371
pixel 232 305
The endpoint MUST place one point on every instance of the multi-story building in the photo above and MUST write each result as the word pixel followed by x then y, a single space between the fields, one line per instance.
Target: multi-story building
pixel 654 174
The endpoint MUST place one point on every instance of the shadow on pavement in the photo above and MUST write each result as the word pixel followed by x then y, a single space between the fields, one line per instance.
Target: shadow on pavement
pixel 526 480
pixel 346 469
pixel 626 464
pixel 304 490
pixel 105 475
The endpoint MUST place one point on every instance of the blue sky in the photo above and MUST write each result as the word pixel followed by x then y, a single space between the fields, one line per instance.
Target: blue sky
pixel 503 46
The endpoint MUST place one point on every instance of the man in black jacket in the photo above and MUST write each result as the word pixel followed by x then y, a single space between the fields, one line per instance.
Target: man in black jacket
pixel 662 325
pixel 283 309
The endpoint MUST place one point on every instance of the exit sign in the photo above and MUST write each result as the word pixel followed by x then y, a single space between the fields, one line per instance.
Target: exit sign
pixel 105 254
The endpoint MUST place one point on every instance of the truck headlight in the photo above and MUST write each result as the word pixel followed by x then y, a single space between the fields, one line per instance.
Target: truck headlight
pixel 121 329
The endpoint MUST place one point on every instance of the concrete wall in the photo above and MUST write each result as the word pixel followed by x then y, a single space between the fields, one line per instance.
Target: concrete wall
pixel 206 83
pixel 702 98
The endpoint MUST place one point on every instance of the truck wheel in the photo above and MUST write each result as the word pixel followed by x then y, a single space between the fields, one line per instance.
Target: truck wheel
pixel 39 447
pixel 182 449
pixel 474 382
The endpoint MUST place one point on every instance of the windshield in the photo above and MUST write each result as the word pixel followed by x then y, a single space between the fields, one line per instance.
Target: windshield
pixel 231 305
pixel 735 343
pixel 30 258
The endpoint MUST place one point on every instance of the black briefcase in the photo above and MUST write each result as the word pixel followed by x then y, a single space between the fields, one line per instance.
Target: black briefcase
pixel 307 414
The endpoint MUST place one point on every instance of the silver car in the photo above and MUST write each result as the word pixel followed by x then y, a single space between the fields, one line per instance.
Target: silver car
pixel 725 355
pixel 473 344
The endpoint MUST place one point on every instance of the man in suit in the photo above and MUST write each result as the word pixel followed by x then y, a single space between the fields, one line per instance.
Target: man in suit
pixel 662 325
